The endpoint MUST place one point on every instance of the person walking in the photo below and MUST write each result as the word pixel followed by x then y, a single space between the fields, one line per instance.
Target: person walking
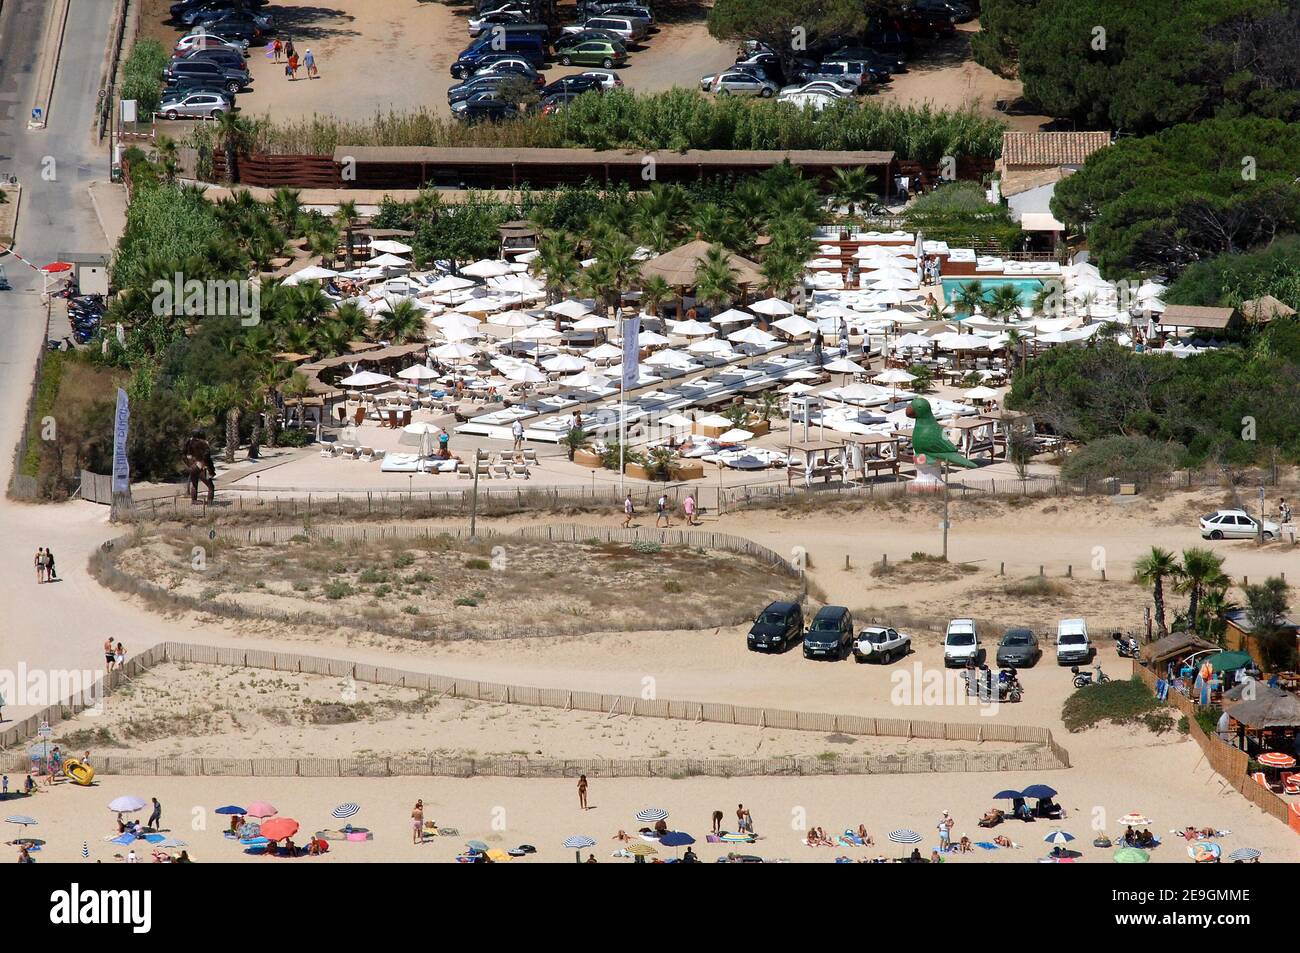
pixel 50 574
pixel 582 791
pixel 661 510
pixel 277 48
pixel 108 654
pixel 309 61
pixel 417 822
pixel 945 832
pixel 818 341
pixel 688 507
pixel 293 66
pixel 119 656
pixel 40 565
pixel 289 50
pixel 155 816
pixel 628 511
pixel 517 431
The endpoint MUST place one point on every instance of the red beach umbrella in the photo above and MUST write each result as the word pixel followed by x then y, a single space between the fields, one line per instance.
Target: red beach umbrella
pixel 278 828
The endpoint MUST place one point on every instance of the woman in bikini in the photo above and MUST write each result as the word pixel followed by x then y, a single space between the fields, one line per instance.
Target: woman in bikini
pixel 417 822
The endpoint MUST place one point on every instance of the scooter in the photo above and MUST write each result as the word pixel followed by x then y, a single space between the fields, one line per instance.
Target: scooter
pixel 1126 646
pixel 1009 687
pixel 1082 679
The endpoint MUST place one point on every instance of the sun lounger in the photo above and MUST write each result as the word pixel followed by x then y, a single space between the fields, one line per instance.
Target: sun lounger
pixel 366 454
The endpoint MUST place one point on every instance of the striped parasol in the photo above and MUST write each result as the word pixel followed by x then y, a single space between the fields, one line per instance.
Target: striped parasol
pixel 85 851
pixel 1276 759
pixel 22 819
pixel 1057 836
pixel 905 836
pixel 579 841
pixel 1243 854
pixel 1131 855
pixel 1134 819
pixel 651 814
pixel 643 849
pixel 344 811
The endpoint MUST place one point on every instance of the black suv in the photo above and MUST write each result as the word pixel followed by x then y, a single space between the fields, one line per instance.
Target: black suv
pixel 777 627
pixel 231 80
pixel 830 635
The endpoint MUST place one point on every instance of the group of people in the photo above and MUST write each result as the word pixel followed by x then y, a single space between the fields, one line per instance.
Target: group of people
pixel 1143 838
pixel 291 62
pixel 114 655
pixel 663 508
pixel 45 566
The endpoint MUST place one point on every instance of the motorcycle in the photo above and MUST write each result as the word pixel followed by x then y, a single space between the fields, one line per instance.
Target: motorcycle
pixel 1082 679
pixel 1009 687
pixel 1126 646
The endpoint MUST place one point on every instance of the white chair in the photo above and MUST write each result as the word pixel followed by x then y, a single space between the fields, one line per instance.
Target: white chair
pixel 366 455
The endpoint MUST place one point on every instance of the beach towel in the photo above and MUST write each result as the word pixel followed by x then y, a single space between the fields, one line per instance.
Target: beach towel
pixel 986 845
pixel 1162 689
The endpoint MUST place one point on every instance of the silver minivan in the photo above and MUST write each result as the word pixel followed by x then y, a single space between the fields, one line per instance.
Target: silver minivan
pixel 628 29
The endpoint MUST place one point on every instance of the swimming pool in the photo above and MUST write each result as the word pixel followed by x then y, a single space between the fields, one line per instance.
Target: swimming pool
pixel 1027 288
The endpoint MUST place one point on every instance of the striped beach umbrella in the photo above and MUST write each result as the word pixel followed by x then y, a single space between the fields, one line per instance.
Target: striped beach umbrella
pixel 22 819
pixel 579 841
pixel 905 836
pixel 1134 819
pixel 642 849
pixel 172 842
pixel 1057 836
pixel 1244 854
pixel 85 851
pixel 651 814
pixel 1276 759
pixel 344 811
pixel 735 837
pixel 1131 855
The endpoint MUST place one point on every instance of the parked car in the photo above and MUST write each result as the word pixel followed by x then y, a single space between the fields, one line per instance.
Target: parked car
pixel 205 41
pixel 224 11
pixel 606 53
pixel 774 69
pixel 855 74
pixel 601 8
pixel 527 46
pixel 1072 644
pixel 878 643
pixel 236 27
pixel 483 108
pixel 830 635
pixel 777 627
pixel 232 80
pixel 605 78
pixel 738 82
pixel 840 89
pixel 488 81
pixel 960 12
pixel 894 64
pixel 961 643
pixel 571 84
pixel 569 40
pixel 814 101
pixel 480 22
pixel 628 29
pixel 1019 648
pixel 928 24
pixel 875 73
pixel 506 65
pixel 198 84
pixel 231 59
pixel 194 106
pixel 1235 524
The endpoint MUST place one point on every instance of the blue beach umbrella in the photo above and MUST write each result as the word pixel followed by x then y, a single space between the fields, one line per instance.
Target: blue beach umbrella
pixel 1057 836
pixel 677 839
pixel 651 814
pixel 1038 790
pixel 905 836
pixel 344 811
pixel 230 809
pixel 579 841
pixel 1007 795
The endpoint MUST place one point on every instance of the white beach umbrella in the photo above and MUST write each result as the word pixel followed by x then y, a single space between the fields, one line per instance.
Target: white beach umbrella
pixel 692 328
pixel 513 319
pixel 569 308
pixel 594 322
pixel 525 374
pixel 650 339
pixel 668 356
pixel 486 268
pixel 844 366
pixel 450 283
pixel 751 335
pixel 388 261
pixel 796 388
pixel 587 380
pixel 453 351
pixel 714 346
pixel 894 375
pixel 772 306
pixel 736 435
pixel 539 332
pixel 310 273
pixel 982 393
pixel 564 364
pixel 388 246
pixel 365 379
pixel 604 352
pixel 417 372
pixel 731 316
pixel 795 325
pixel 461 332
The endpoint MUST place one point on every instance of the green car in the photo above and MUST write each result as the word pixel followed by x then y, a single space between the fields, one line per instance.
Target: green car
pixel 605 53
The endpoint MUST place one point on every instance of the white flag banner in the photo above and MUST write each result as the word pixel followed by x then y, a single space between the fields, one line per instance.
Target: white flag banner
pixel 121 429
pixel 631 353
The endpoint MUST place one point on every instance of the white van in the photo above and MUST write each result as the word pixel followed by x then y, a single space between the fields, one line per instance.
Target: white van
pixel 1072 644
pixel 961 643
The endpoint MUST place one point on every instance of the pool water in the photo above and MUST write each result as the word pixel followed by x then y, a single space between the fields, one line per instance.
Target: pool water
pixel 1027 288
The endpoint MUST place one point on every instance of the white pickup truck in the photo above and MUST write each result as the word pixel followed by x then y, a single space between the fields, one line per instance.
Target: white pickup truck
pixel 878 643
pixel 961 643
pixel 1072 644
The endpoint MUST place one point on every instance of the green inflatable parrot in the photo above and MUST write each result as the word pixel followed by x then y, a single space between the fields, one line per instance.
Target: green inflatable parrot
pixel 928 438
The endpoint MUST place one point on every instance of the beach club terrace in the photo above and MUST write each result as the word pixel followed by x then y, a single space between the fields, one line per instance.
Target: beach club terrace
pixel 411 167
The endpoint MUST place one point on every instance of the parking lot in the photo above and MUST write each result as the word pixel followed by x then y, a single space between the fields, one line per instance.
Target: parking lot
pixel 376 56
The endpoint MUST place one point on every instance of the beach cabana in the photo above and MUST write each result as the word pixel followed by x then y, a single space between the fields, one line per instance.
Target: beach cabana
pixel 814 461
pixel 871 453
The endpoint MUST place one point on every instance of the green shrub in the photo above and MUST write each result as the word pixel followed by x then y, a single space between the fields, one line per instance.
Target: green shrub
pixel 478 564
pixel 142 76
pixel 465 601
pixel 1120 702
pixel 1124 458
pixel 337 590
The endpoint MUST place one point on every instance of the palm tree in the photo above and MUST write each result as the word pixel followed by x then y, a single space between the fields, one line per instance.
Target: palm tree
pixel 615 269
pixel 556 265
pixel 346 216
pixel 234 133
pixel 718 226
pixel 1202 571
pixel 970 297
pixel 1003 302
pixel 653 291
pixel 286 208
pixel 1152 570
pixel 1215 606
pixel 781 272
pixel 1016 342
pixel 297 387
pixel 715 282
pixel 324 242
pixel 574 439
pixel 168 158
pixel 853 187
pixel 401 323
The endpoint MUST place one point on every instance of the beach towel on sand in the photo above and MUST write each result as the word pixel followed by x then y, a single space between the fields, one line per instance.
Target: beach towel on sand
pixel 986 845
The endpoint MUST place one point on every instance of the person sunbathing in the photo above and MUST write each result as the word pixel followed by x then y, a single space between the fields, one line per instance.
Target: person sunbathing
pixel 623 836
pixel 661 827
pixel 991 817
pixel 964 845
pixel 1146 839
pixel 865 837
pixel 1003 841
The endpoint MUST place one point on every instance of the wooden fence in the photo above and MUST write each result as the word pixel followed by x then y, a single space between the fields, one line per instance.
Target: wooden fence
pixel 1228 762
pixel 1049 756
pixel 275 171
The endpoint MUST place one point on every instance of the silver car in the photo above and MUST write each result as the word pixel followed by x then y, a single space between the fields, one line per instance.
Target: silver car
pixel 194 106
pixel 739 83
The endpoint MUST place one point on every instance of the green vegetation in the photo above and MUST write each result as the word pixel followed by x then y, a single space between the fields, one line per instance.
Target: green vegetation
pixel 676 120
pixel 1129 459
pixel 1195 405
pixel 1229 279
pixel 1119 702
pixel 1146 66
pixel 1166 201
pixel 1266 605
pixel 142 76
pixel 958 213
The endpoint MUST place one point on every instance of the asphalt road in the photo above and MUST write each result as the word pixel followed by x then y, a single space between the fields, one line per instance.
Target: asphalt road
pixel 56 216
